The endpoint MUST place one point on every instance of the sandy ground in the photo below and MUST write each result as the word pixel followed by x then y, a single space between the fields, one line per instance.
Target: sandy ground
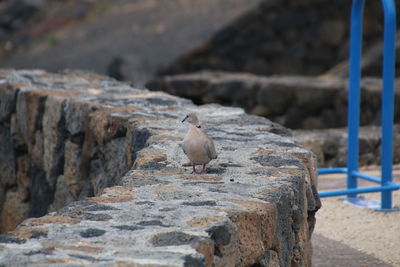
pixel 373 232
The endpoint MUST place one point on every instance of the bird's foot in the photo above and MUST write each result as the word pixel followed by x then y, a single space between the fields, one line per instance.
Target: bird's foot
pixel 194 170
pixel 203 170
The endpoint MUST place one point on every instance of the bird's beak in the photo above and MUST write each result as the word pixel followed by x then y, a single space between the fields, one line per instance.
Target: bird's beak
pixel 185 118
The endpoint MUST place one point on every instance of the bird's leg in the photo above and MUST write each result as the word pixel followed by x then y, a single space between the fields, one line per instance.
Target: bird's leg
pixel 203 170
pixel 194 169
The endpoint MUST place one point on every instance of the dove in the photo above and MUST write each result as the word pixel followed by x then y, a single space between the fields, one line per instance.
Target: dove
pixel 197 145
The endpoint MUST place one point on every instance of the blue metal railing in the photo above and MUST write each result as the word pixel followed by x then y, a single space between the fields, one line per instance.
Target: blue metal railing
pixel 386 185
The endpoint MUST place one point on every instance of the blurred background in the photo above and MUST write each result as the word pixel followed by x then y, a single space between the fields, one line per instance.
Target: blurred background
pixel 135 40
pixel 292 54
pixel 128 39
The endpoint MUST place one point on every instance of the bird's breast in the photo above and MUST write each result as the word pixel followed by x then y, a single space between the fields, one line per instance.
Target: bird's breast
pixel 194 150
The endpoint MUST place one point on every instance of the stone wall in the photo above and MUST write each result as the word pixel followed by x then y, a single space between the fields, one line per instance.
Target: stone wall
pixel 57 149
pixel 293 101
pixel 71 135
pixel 330 145
pixel 305 37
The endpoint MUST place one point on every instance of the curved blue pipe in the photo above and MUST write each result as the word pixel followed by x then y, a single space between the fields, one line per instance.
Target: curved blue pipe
pixel 388 74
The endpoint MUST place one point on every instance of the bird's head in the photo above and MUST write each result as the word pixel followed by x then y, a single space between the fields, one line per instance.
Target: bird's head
pixel 192 119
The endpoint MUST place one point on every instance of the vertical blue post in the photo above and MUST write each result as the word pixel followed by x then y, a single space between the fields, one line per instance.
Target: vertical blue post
pixel 387 186
pixel 388 99
pixel 353 116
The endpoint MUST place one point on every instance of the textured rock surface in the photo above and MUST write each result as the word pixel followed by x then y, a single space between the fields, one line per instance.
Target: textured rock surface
pixel 330 145
pixel 79 134
pixel 294 101
pixel 58 144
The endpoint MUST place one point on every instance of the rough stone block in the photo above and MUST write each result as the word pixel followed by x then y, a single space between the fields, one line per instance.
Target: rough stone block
pixel 330 145
pixel 7 102
pixel 255 206
pixel 296 102
pixel 13 212
pixel 8 175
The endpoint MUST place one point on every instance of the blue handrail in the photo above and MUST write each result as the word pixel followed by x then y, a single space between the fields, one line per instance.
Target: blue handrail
pixel 386 185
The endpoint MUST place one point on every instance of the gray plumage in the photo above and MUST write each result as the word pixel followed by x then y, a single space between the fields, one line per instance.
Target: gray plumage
pixel 197 145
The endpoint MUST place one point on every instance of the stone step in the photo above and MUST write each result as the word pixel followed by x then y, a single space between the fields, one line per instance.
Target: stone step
pixel 296 102
pixel 330 145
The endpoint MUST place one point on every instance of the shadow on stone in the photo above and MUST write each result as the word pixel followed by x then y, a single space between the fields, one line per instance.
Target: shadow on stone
pixel 92 232
pixel 172 239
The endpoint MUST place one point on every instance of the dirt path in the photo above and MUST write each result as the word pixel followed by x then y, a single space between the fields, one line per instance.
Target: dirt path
pixel 372 232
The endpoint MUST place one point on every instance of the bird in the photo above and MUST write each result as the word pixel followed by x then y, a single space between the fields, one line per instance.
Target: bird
pixel 197 145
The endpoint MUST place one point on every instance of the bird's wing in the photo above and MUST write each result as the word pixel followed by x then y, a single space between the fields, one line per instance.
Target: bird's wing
pixel 183 148
pixel 210 149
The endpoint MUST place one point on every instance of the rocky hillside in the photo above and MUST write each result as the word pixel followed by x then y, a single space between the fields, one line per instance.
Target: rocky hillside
pixel 129 40
pixel 286 37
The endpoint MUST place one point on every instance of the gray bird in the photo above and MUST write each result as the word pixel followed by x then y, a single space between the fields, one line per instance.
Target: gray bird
pixel 197 145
